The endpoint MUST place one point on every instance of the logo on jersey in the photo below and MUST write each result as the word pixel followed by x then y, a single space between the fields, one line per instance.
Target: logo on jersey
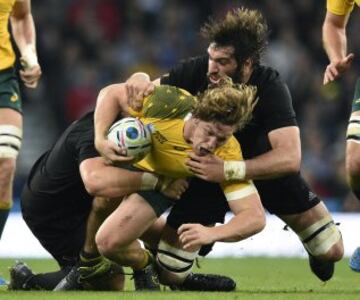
pixel 179 148
pixel 159 137
pixel 312 196
pixel 14 97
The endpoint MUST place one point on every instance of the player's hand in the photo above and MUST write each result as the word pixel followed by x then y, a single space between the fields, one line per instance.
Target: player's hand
pixel 209 167
pixel 111 152
pixel 174 188
pixel 136 90
pixel 30 76
pixel 193 236
pixel 335 69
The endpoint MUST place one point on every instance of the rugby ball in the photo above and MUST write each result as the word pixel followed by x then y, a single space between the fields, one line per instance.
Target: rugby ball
pixel 132 135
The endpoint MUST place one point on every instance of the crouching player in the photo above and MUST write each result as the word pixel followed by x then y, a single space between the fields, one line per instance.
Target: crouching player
pixel 214 118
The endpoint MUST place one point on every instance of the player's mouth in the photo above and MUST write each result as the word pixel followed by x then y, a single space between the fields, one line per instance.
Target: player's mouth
pixel 214 79
pixel 201 151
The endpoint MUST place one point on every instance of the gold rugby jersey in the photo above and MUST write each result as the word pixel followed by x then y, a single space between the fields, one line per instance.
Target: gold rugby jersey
pixel 341 7
pixel 7 54
pixel 166 108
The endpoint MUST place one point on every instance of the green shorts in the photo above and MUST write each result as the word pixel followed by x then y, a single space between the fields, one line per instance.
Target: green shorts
pixel 159 202
pixel 9 90
pixel 356 101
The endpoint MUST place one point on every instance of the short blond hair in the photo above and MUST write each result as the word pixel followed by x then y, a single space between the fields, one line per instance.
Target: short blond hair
pixel 226 103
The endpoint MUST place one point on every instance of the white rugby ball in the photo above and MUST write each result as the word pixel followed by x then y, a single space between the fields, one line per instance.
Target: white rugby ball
pixel 132 135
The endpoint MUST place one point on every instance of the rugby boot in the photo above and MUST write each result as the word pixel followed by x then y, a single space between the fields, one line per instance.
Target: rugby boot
pixel 2 281
pixel 20 274
pixel 206 283
pixel 146 279
pixel 324 270
pixel 71 282
pixel 354 262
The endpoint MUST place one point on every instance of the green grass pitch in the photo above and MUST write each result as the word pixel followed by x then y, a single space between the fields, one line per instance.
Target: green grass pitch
pixel 257 278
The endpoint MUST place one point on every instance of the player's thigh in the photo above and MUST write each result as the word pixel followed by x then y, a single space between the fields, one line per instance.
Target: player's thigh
pixel 203 202
pixel 288 195
pixel 10 97
pixel 127 223
pixel 59 223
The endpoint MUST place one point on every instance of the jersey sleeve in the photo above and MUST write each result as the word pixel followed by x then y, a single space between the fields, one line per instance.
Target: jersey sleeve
pixel 87 150
pixel 168 102
pixel 234 190
pixel 340 7
pixel 85 147
pixel 276 109
pixel 189 74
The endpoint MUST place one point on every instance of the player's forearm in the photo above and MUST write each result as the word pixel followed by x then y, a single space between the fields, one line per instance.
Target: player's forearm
pixel 283 158
pixel 23 31
pixel 334 42
pixel 112 182
pixel 243 225
pixel 108 107
pixel 273 164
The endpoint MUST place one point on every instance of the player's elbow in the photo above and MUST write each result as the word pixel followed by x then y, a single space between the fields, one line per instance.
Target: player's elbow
pixel 292 161
pixel 255 224
pixel 295 163
pixel 92 183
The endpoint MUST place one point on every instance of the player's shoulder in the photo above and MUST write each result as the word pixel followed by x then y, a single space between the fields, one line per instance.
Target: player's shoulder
pixel 168 102
pixel 231 150
pixel 264 76
pixel 268 81
pixel 196 61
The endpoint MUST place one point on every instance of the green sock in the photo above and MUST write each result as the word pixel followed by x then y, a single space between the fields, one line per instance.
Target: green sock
pixel 3 217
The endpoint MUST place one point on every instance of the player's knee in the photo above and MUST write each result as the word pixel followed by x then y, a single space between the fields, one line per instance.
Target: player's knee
pixel 174 264
pixel 336 252
pixel 7 171
pixel 353 163
pixel 7 167
pixel 10 141
pixel 107 245
pixel 323 239
pixel 353 148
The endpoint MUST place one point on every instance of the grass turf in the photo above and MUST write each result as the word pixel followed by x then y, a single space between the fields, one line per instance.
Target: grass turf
pixel 262 278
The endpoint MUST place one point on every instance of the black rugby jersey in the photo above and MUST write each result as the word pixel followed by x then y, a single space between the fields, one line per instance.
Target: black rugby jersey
pixel 56 172
pixel 273 110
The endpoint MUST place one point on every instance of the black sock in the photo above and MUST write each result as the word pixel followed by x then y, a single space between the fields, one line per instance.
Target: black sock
pixel 4 213
pixel 87 255
pixel 47 281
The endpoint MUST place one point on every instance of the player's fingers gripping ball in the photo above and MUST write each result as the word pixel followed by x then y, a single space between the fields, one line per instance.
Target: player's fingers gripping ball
pixel 132 135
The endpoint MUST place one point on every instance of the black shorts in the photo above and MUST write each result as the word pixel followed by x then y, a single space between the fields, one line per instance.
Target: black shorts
pixel 205 202
pixel 59 223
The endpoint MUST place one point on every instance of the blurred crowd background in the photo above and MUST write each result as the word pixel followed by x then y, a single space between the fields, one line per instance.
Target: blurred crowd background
pixel 84 45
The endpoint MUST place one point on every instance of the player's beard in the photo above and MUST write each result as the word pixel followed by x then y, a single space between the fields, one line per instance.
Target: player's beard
pixel 237 77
